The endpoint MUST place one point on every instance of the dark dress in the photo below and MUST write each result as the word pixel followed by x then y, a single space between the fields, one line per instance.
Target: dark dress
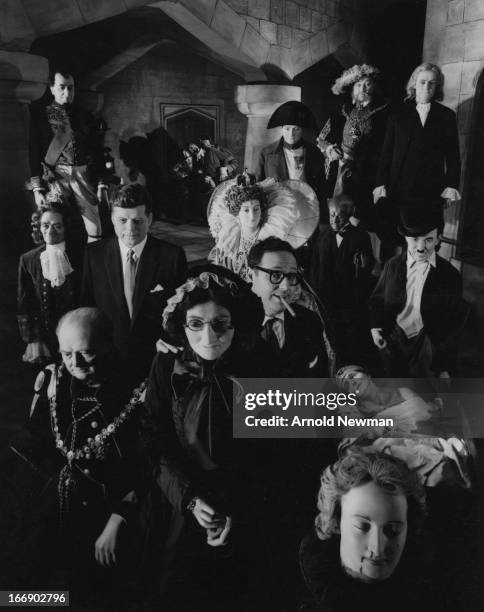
pixel 62 502
pixel 39 305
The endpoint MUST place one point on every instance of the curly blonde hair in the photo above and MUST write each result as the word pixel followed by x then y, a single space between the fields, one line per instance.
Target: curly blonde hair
pixel 439 90
pixel 357 468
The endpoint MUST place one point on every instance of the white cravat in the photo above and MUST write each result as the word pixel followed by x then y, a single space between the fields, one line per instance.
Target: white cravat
pixel 277 327
pixel 295 161
pixel 55 264
pixel 423 109
pixel 410 319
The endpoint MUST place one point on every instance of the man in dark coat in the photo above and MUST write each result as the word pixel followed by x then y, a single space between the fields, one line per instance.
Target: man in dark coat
pixel 131 276
pixel 292 157
pixel 64 145
pixel 351 140
pixel 417 311
pixel 340 273
pixel 295 342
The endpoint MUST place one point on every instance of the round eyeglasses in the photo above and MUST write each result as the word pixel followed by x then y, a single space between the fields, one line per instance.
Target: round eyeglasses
pixel 277 276
pixel 219 326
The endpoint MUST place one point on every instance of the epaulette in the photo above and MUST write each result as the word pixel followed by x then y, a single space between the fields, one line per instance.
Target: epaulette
pixel 48 373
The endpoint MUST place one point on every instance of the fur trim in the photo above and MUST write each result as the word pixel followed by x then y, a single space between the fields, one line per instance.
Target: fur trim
pixel 352 76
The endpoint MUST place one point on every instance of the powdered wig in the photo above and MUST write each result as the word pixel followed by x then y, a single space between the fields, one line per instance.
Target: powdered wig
pixel 392 475
pixel 439 90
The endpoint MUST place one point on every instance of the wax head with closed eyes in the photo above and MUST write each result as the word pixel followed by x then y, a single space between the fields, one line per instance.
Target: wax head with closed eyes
pixel 373 502
pixel 249 204
pixel 212 312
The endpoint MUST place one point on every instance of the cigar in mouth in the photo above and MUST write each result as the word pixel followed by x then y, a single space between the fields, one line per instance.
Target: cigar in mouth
pixel 287 306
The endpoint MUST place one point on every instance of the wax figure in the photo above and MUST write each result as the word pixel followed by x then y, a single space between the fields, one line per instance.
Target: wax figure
pixel 293 157
pixel 49 281
pixel 364 547
pixel 73 469
pixel 351 140
pixel 64 144
pixel 131 275
pixel 240 213
pixel 340 273
pixel 416 309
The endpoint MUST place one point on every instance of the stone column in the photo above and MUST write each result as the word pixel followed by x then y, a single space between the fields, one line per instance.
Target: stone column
pixel 23 78
pixel 258 102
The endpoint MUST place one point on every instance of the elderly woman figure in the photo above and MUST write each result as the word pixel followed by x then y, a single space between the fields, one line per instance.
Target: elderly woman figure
pixel 187 424
pixel 420 155
pixel 370 507
pixel 48 283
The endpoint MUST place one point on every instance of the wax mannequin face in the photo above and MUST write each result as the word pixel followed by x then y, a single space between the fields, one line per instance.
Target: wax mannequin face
pixel 267 291
pixel 363 90
pixel 425 86
pixel 249 216
pixel 291 134
pixel 373 532
pixel 52 227
pixel 207 342
pixel 63 89
pixel 131 224
pixel 78 351
pixel 422 247
pixel 339 214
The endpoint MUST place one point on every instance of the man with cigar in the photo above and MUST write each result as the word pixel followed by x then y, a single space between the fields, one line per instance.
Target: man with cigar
pixel 417 309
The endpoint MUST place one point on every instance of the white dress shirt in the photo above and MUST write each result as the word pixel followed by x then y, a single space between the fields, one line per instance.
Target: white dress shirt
pixel 410 319
pixel 277 327
pixel 423 109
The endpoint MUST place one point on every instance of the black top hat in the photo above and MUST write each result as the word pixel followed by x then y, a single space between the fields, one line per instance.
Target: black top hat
pixel 293 113
pixel 420 220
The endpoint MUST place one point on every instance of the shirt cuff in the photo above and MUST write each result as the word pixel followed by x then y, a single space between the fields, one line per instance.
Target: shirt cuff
pixel 36 352
pixel 379 192
pixel 451 194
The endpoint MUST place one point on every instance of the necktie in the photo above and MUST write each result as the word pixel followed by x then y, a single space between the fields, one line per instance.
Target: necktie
pixel 269 335
pixel 129 280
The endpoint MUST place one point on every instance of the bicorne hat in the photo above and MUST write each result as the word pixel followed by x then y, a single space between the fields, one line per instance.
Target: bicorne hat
pixel 293 113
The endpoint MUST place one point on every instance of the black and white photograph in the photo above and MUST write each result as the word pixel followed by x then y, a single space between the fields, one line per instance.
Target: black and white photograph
pixel 242 305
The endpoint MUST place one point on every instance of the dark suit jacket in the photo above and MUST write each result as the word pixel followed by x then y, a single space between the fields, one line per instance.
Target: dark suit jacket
pixel 416 160
pixel 162 264
pixel 339 282
pixel 39 305
pixel 304 343
pixel 272 164
pixel 442 308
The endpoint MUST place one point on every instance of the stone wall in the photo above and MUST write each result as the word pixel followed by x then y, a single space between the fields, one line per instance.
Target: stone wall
pixel 454 39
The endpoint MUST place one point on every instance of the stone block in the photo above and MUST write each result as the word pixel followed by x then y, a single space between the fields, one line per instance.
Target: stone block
pixel 474 9
pixel 239 6
pixel 282 58
pixel 16 31
pixel 268 30
pixel 94 10
pixel 318 46
pixel 320 6
pixel 474 40
pixel 337 36
pixel 471 72
pixel 316 21
pixel 51 16
pixel 330 8
pixel 464 113
pixel 302 2
pixel 455 12
pixel 452 79
pixel 299 35
pixel 313 5
pixel 277 11
pixel 255 46
pixel 305 19
pixel 204 9
pixel 301 56
pixel 228 24
pixel 284 36
pixel 253 22
pixel 261 9
pixel 454 44
pixel 292 14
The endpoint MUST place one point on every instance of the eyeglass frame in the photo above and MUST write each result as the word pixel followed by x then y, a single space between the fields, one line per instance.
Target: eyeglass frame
pixel 270 272
pixel 227 325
